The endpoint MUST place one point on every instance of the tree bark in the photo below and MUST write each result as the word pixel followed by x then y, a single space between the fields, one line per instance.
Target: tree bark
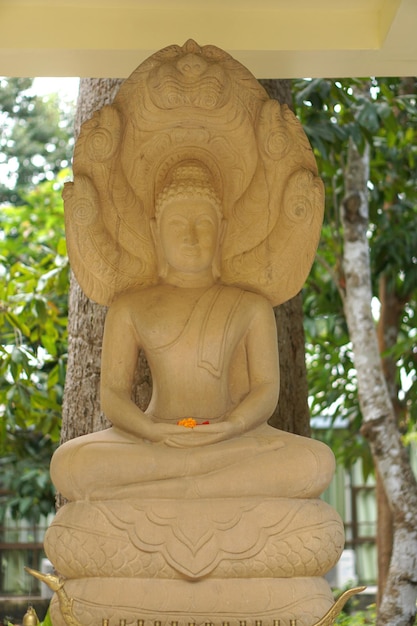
pixel 398 606
pixel 292 413
pixel 392 308
pixel 387 332
pixel 384 536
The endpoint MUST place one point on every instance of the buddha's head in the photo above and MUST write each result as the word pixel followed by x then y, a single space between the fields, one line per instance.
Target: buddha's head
pixel 188 223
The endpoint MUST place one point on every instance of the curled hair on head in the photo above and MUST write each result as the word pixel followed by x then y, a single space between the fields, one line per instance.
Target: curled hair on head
pixel 189 179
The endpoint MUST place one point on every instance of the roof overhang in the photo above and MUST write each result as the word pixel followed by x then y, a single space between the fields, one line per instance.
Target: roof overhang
pixel 273 38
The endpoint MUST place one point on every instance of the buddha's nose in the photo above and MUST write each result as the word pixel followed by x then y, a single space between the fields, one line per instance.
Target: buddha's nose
pixel 190 235
pixel 192 65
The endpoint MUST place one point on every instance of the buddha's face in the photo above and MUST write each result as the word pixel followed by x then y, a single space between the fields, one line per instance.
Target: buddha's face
pixel 188 233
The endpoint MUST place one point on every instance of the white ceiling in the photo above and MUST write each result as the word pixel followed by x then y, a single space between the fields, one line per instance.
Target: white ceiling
pixel 273 38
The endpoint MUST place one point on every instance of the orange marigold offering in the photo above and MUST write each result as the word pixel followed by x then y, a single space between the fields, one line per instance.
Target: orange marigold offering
pixel 188 422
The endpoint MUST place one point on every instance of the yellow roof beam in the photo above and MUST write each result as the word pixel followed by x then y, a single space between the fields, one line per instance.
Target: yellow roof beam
pixel 273 38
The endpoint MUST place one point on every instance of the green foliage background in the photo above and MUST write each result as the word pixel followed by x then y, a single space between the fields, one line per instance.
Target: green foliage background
pixel 36 139
pixel 383 113
pixel 33 346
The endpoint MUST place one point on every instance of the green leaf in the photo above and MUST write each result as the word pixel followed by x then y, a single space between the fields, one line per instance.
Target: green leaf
pixel 33 319
pixel 17 323
pixel 47 621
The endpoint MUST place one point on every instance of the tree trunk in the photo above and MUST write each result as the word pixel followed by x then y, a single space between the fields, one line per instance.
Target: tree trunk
pixel 292 413
pixel 384 536
pixel 392 308
pixel 398 606
pixel 387 332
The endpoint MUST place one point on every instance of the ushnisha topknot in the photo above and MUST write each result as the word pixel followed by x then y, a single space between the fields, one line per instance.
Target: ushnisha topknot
pixel 190 179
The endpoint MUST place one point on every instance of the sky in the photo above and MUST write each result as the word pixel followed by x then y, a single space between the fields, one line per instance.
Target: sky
pixel 67 88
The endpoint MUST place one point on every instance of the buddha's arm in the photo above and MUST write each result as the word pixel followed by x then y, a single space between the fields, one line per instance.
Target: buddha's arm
pixel 262 358
pixel 118 364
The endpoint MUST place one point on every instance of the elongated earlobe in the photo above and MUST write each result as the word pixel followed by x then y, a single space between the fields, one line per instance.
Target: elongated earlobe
pixel 218 255
pixel 222 230
pixel 160 257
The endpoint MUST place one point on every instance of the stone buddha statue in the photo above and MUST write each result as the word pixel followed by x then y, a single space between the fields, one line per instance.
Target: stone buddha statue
pixel 212 351
pixel 221 520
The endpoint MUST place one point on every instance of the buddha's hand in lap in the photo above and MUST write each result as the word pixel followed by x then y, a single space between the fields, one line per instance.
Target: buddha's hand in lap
pixel 159 432
pixel 203 434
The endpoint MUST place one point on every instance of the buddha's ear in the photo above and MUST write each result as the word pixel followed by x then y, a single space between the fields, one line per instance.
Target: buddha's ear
pixel 160 257
pixel 222 231
pixel 217 257
pixel 153 227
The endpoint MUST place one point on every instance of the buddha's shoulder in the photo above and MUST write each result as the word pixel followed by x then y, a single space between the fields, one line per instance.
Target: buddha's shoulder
pixel 134 301
pixel 251 299
pixel 161 296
